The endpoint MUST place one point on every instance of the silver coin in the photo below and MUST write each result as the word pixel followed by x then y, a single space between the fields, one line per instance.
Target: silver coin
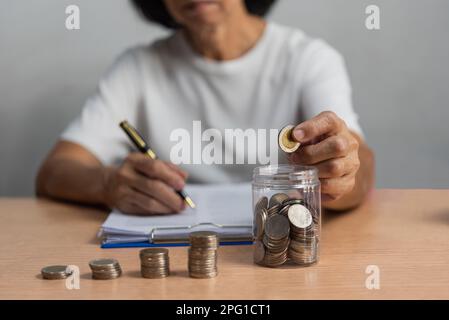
pixel 277 199
pixel 277 227
pixel 202 255
pixel 262 203
pixel 101 263
pixel 299 216
pixel 154 263
pixel 153 252
pixel 259 252
pixel 55 272
pixel 261 217
pixel 105 269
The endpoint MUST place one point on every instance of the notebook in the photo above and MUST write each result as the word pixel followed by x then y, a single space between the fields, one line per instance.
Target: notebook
pixel 222 208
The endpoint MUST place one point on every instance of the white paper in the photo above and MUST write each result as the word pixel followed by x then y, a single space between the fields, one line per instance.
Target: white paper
pixel 216 205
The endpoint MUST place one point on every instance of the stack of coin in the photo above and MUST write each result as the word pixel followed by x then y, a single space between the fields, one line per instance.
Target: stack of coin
pixel 203 254
pixel 303 244
pixel 55 272
pixel 105 269
pixel 284 228
pixel 154 263
pixel 276 240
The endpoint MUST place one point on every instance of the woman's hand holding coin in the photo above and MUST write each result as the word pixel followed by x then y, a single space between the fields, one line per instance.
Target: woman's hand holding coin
pixel 328 144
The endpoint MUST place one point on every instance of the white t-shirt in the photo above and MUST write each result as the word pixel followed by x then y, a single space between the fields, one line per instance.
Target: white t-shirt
pixel 285 78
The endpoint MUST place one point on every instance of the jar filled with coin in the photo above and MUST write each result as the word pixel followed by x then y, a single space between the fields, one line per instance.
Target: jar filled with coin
pixel 287 215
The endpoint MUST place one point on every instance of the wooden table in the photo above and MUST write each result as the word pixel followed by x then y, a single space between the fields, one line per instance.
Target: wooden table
pixel 403 232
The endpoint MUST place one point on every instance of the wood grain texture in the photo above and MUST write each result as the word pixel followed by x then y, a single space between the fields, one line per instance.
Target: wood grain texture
pixel 404 232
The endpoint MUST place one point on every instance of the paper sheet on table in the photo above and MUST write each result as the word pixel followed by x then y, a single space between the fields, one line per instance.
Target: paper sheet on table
pixel 224 208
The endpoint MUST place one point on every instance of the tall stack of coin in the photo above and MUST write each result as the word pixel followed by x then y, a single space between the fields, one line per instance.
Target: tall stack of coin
pixel 203 254
pixel 284 228
pixel 55 272
pixel 154 263
pixel 105 269
pixel 276 240
pixel 303 244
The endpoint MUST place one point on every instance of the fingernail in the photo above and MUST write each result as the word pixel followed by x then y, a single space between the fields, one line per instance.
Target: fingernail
pixel 298 134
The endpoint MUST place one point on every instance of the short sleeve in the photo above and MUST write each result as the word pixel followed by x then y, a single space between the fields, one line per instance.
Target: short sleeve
pixel 326 85
pixel 116 98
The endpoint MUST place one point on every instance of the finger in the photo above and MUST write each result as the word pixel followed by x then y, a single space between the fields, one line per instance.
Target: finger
pixel 157 169
pixel 147 205
pixel 128 207
pixel 334 188
pixel 326 123
pixel 330 148
pixel 334 168
pixel 160 191
pixel 178 170
pixel 134 202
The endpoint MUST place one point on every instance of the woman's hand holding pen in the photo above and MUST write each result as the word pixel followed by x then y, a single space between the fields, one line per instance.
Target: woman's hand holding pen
pixel 142 185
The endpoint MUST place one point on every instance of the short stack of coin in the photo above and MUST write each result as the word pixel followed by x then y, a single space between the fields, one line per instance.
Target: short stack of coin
pixel 154 263
pixel 55 272
pixel 284 228
pixel 105 269
pixel 203 254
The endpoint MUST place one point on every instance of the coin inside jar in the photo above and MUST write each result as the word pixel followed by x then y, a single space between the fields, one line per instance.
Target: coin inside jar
pixel 299 216
pixel 261 217
pixel 286 141
pixel 277 199
pixel 259 252
pixel 277 227
pixel 261 204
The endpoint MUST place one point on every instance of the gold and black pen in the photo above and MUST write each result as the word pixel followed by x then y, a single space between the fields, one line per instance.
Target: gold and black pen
pixel 143 147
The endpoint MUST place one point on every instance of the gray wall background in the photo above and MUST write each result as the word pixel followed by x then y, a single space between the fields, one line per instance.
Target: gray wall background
pixel 400 76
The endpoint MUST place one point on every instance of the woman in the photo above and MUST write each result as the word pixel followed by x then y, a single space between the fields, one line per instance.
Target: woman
pixel 227 67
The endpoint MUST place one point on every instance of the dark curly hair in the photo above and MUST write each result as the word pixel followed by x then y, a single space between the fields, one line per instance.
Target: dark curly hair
pixel 155 10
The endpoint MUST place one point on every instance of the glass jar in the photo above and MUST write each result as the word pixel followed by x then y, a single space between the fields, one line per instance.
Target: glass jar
pixel 287 215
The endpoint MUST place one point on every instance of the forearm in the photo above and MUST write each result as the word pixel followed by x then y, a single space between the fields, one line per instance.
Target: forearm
pixel 73 180
pixel 363 184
